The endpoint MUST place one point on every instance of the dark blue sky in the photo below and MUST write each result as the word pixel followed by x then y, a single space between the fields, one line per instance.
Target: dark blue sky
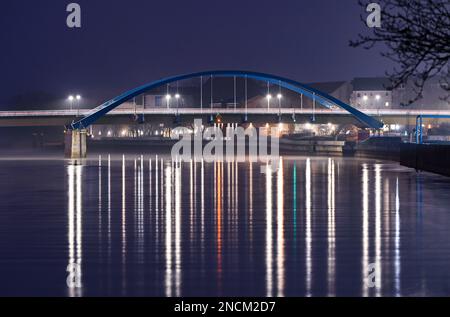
pixel 126 43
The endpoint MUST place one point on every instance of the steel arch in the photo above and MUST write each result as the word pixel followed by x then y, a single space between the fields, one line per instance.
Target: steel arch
pixel 322 98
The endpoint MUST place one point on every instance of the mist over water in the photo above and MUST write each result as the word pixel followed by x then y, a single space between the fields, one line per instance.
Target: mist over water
pixel 145 225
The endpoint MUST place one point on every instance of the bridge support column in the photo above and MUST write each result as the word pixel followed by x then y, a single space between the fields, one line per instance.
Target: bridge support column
pixel 75 144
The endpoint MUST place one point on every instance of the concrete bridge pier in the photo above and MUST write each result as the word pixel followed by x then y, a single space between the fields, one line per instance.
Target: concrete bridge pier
pixel 75 143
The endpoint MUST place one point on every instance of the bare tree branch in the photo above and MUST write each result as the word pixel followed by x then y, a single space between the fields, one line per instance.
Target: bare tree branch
pixel 416 34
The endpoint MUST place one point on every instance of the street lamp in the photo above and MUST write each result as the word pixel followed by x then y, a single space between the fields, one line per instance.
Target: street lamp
pixel 177 97
pixel 71 98
pixel 279 96
pixel 268 97
pixel 168 97
pixel 78 97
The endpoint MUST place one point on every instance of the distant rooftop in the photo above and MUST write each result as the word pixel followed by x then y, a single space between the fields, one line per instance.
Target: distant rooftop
pixel 327 87
pixel 371 83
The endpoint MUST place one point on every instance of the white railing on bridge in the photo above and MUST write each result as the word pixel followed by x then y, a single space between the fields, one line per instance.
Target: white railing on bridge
pixel 181 111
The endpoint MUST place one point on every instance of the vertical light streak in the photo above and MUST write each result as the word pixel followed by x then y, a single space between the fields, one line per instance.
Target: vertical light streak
pixel 397 260
pixel 168 229
pixel 100 201
pixel 156 199
pixel 141 207
pixel 71 216
pixel 202 206
pixel 75 229
pixel 109 207
pixel 294 203
pixel 178 231
pixel 219 221
pixel 191 201
pixel 269 224
pixel 250 204
pixel 308 233
pixel 124 224
pixel 79 215
pixel 331 228
pixel 378 229
pixel 365 229
pixel 280 229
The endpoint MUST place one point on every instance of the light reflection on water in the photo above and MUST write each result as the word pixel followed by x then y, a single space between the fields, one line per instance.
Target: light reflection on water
pixel 138 225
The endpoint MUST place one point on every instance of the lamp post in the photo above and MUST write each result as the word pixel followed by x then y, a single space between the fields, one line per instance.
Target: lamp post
pixel 279 96
pixel 268 97
pixel 78 97
pixel 168 97
pixel 177 97
pixel 71 98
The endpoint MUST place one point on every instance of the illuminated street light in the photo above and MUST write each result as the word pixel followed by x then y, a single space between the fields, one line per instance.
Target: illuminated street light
pixel 386 104
pixel 168 97
pixel 377 97
pixel 71 98
pixel 78 97
pixel 177 97
pixel 279 96
pixel 268 97
pixel 365 98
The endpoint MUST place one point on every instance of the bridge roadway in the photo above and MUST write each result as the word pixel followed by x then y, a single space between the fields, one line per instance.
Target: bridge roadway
pixel 256 115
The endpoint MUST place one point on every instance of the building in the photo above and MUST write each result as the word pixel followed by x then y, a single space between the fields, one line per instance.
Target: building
pixel 371 93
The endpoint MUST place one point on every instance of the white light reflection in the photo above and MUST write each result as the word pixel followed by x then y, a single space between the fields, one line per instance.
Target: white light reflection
pixel 191 201
pixel 378 229
pixel 75 243
pixel 269 224
pixel 109 207
pixel 156 201
pixel 250 204
pixel 308 233
pixel 124 225
pixel 202 193
pixel 218 166
pixel 177 230
pixel 100 230
pixel 331 265
pixel 140 209
pixel 168 229
pixel 280 230
pixel 397 260
pixel 365 231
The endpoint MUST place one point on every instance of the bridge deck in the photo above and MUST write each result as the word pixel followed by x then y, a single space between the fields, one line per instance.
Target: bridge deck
pixel 262 111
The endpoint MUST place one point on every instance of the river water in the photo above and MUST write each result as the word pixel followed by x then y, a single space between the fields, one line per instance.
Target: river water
pixel 147 226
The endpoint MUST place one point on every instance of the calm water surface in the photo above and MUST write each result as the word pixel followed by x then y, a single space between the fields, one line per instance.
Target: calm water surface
pixel 147 226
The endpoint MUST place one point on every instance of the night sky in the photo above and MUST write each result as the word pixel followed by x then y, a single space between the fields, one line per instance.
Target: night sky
pixel 123 44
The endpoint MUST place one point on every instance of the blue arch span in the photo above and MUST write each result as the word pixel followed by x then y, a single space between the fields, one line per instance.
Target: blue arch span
pixel 322 98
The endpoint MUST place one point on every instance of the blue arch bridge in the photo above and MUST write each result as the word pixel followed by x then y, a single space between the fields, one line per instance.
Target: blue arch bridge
pixel 76 131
